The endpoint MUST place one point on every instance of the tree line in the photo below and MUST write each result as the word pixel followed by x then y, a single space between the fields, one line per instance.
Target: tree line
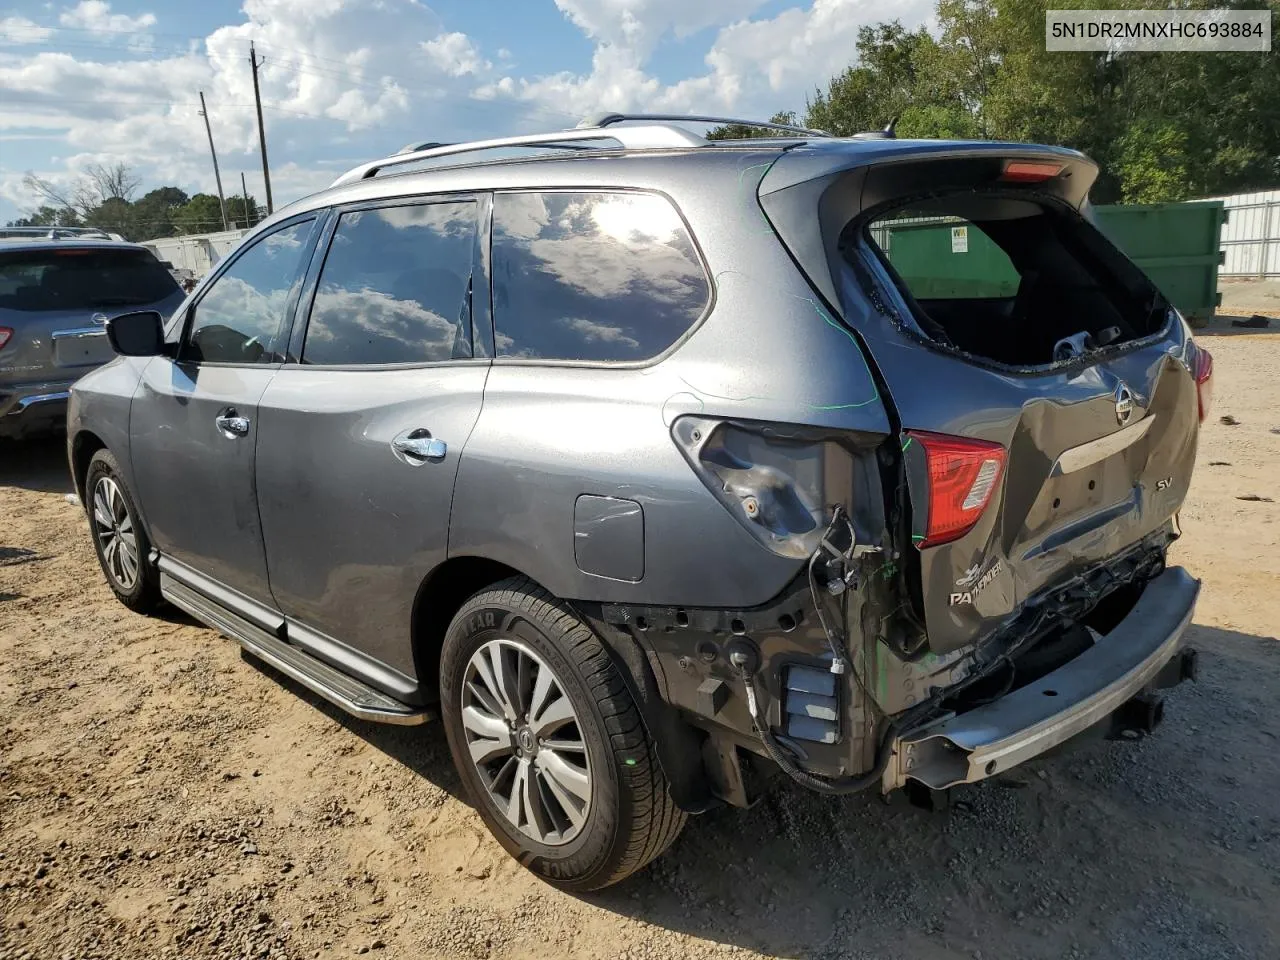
pixel 104 197
pixel 1162 126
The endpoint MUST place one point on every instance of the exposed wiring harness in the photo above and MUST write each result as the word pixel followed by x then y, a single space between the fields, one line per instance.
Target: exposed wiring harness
pixel 837 586
pixel 835 786
pixel 1087 596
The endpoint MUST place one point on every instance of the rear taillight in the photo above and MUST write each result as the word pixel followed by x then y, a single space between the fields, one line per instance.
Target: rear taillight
pixel 5 334
pixel 963 476
pixel 1202 370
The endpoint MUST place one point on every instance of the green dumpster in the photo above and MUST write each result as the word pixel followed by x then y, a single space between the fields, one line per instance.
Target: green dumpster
pixel 1176 244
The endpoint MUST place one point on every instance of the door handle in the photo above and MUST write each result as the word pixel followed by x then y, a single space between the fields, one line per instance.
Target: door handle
pixel 231 425
pixel 415 447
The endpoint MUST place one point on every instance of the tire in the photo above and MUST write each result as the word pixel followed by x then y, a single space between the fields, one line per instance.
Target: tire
pixel 113 519
pixel 625 816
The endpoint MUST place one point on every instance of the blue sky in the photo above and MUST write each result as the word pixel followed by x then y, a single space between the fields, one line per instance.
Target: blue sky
pixel 91 81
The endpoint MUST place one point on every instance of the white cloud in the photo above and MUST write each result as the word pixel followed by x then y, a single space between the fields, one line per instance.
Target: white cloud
pixel 347 80
pixel 456 55
pixel 18 30
pixel 96 15
pixel 638 25
pixel 754 67
pixel 324 60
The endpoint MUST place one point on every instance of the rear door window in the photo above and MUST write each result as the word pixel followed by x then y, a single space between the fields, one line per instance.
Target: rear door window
pixel 396 287
pixel 592 276
pixel 240 318
pixel 80 278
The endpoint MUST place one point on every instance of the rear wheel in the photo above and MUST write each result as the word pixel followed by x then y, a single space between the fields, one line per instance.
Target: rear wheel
pixel 118 538
pixel 549 742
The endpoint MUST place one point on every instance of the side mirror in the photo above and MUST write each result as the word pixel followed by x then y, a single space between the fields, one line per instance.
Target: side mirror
pixel 139 334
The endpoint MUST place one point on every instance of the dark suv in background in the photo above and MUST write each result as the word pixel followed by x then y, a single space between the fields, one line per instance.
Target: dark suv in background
pixel 57 287
pixel 633 458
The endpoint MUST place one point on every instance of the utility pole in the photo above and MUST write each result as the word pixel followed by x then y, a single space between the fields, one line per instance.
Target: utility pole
pixel 262 133
pixel 216 175
pixel 244 192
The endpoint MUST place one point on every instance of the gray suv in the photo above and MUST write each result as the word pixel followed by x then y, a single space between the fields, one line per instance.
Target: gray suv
pixel 57 287
pixel 647 466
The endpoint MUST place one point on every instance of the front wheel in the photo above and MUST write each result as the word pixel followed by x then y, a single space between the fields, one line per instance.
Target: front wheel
pixel 118 538
pixel 549 742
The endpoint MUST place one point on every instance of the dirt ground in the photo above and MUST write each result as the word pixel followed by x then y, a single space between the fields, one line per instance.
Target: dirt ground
pixel 160 796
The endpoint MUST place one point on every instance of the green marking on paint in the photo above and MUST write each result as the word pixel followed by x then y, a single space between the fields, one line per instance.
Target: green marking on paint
pixel 630 762
pixel 906 443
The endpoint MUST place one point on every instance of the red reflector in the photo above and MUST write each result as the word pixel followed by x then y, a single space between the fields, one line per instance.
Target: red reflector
pixel 5 334
pixel 963 476
pixel 1023 171
pixel 1202 368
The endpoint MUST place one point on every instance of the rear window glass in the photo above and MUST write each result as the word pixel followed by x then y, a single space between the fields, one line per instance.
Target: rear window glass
pixel 1013 280
pixel 946 257
pixel 592 276
pixel 74 278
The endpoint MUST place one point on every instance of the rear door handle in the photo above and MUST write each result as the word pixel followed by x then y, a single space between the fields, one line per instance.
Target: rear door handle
pixel 415 447
pixel 231 425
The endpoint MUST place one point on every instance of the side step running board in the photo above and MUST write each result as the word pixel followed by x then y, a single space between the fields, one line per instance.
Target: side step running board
pixel 356 698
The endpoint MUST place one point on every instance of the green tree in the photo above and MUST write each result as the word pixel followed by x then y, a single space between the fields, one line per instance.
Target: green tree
pixel 201 214
pixel 156 209
pixel 1151 163
pixel 896 70
pixel 47 216
pixel 241 212
pixel 1166 126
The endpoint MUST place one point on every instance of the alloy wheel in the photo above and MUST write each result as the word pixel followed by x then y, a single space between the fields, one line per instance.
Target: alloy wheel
pixel 116 534
pixel 526 741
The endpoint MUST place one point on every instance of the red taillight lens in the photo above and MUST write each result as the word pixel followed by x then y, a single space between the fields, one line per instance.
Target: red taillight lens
pixel 5 334
pixel 1020 171
pixel 963 476
pixel 1202 369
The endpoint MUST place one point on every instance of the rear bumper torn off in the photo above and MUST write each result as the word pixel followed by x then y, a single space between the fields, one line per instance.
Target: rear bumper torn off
pixel 992 738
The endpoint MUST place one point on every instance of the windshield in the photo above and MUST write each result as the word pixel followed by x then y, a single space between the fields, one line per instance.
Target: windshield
pixel 76 278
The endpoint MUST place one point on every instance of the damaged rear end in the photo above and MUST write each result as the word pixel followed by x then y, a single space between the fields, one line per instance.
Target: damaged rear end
pixel 1045 411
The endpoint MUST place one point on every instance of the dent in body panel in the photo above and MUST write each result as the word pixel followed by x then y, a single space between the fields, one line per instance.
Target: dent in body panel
pixel 550 433
pixel 1047 526
pixel 608 537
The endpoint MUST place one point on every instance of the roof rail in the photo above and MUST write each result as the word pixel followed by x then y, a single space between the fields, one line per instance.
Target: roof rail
pixel 650 136
pixel 602 120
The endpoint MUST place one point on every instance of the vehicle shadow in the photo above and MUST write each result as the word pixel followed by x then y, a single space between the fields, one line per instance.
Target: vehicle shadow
pixel 1095 851
pixel 39 465
pixel 421 749
pixel 1222 326
pixel 1086 852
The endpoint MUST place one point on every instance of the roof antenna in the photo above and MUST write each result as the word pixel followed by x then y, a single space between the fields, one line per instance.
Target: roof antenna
pixel 888 130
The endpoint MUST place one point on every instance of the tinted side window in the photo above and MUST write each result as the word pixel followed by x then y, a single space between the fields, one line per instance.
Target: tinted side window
pixel 240 318
pixel 592 276
pixel 395 287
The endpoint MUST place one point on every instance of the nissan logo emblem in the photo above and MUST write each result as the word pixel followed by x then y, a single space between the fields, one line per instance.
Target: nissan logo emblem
pixel 1124 404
